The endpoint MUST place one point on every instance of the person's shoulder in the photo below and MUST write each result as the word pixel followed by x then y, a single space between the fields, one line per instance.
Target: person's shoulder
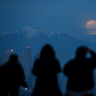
pixel 18 64
pixel 56 60
pixel 5 65
pixel 46 60
pixel 90 59
pixel 71 61
pixel 43 59
pixel 52 60
pixel 37 61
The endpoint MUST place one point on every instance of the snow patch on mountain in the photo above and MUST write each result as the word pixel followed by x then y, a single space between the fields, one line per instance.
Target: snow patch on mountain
pixel 59 34
pixel 3 33
pixel 47 32
pixel 30 32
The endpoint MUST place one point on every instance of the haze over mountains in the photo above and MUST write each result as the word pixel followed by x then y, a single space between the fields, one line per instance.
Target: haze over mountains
pixel 64 45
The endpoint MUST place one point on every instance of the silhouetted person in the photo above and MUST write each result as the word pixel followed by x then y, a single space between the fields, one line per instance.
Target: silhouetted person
pixel 0 80
pixel 80 73
pixel 46 69
pixel 12 77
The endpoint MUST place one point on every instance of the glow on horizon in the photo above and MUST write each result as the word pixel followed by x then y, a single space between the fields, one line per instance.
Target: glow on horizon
pixel 91 27
pixel 92 32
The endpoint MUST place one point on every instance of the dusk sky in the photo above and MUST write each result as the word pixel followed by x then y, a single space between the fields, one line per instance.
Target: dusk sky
pixel 76 18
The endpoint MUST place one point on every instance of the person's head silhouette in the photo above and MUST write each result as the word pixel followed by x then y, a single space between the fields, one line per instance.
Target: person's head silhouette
pixel 81 51
pixel 14 58
pixel 47 51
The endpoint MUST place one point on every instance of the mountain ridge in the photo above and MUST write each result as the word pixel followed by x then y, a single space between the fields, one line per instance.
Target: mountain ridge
pixel 37 38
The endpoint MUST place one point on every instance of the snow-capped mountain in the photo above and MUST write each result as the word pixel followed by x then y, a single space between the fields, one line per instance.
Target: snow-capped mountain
pixel 64 45
pixel 30 32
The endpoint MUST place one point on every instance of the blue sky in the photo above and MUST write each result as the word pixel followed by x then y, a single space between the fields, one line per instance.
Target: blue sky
pixel 67 16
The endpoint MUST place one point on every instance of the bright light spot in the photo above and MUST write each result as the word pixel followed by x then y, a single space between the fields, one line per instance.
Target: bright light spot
pixel 25 88
pixel 11 50
pixel 91 24
pixel 28 47
pixel 91 27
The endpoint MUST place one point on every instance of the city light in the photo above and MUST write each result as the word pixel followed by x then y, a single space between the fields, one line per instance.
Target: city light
pixel 28 47
pixel 11 50
pixel 25 88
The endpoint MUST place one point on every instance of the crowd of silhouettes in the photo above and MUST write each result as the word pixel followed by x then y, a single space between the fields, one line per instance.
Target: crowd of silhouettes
pixel 79 72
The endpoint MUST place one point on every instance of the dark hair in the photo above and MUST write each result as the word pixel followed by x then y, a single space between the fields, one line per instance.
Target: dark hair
pixel 81 51
pixel 13 57
pixel 47 51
